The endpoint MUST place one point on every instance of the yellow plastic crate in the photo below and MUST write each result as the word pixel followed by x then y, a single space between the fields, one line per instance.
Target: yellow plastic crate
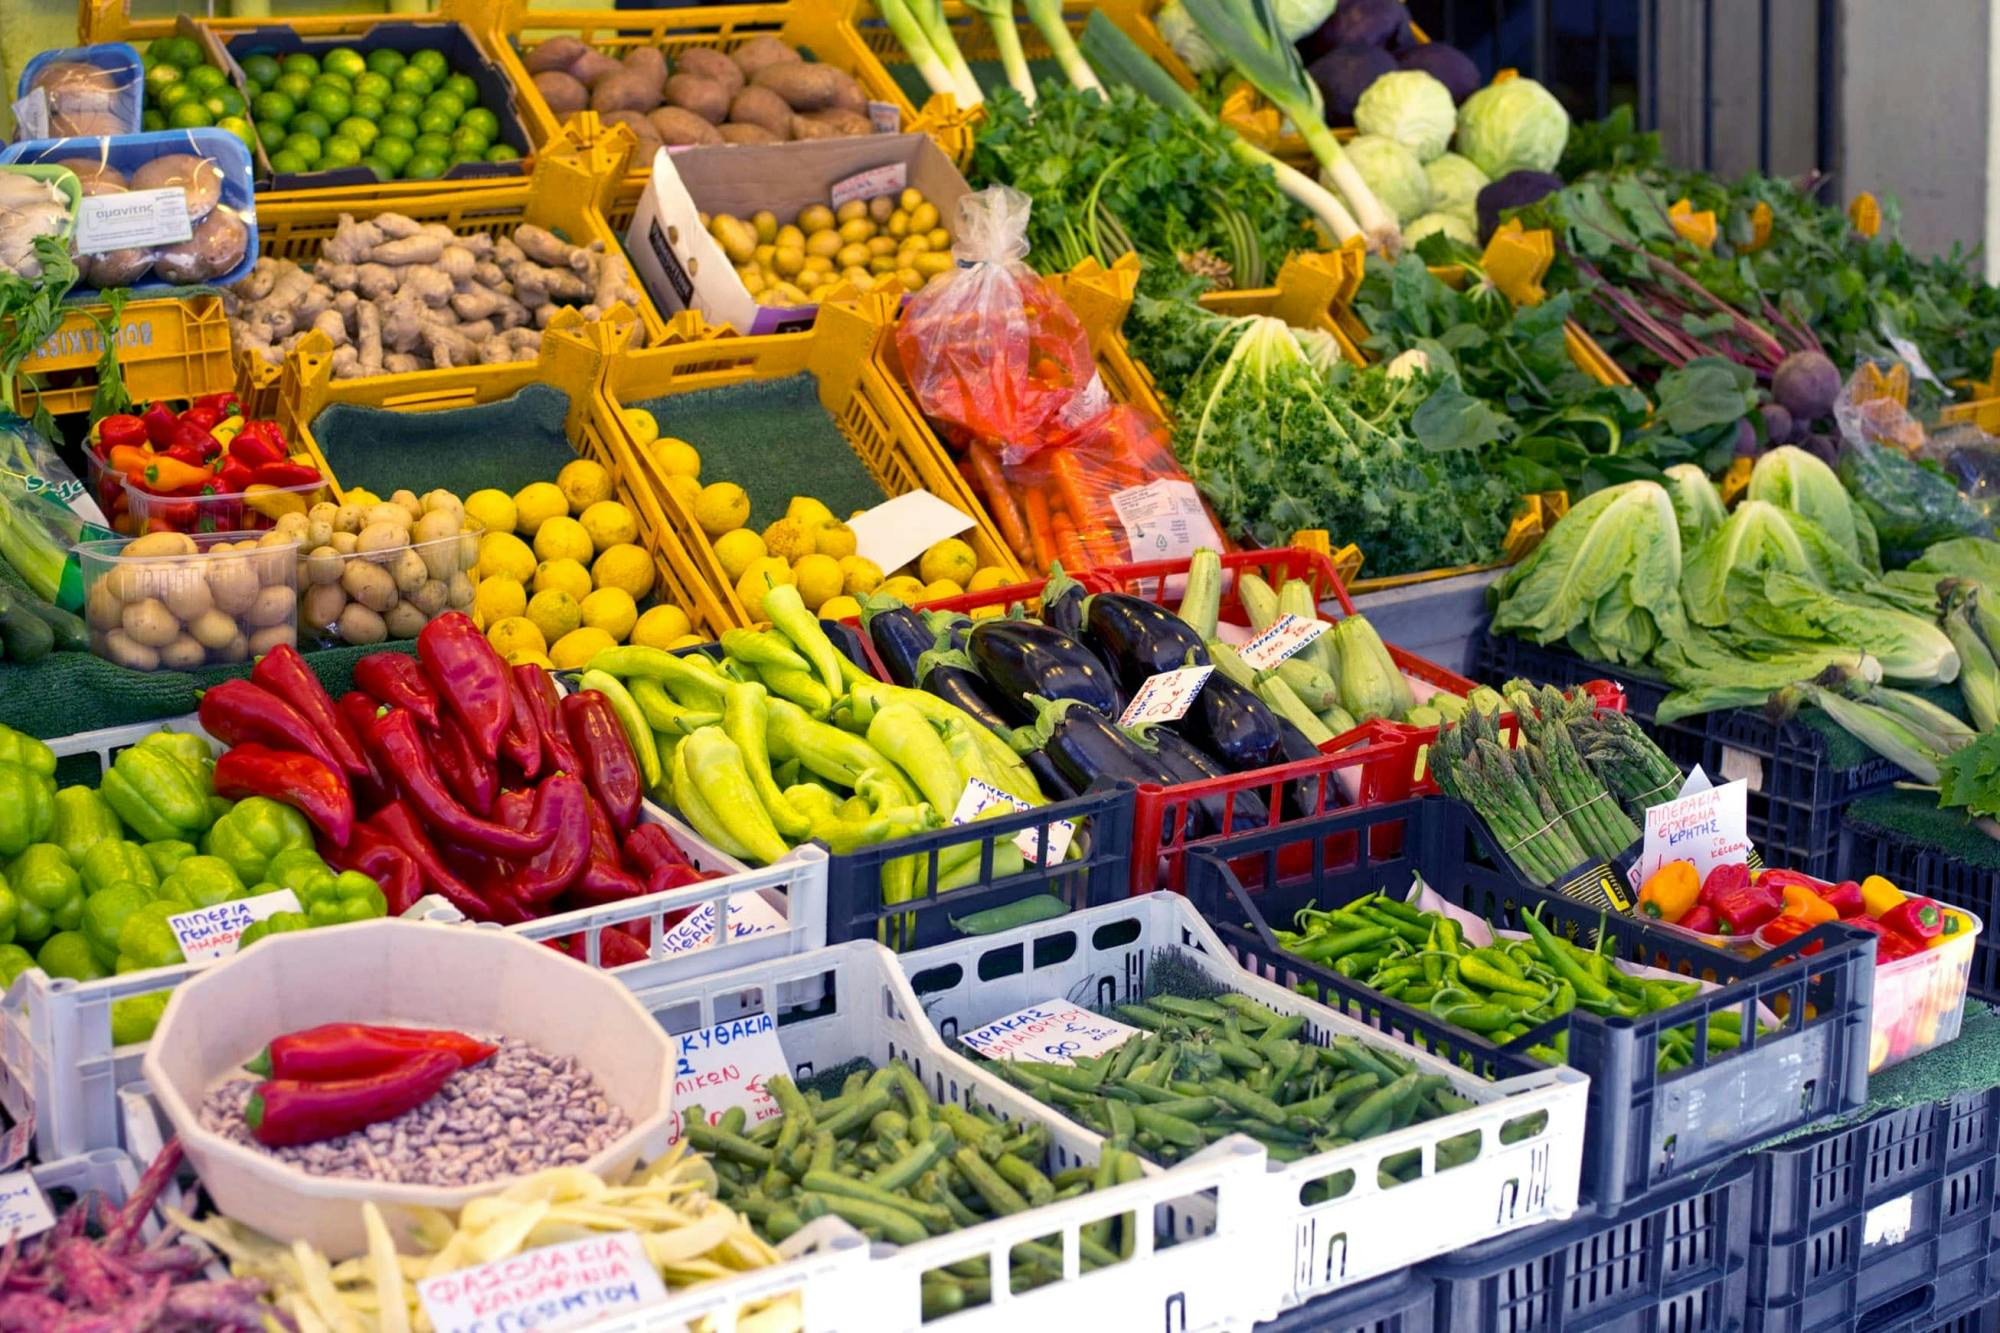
pixel 167 349
pixel 843 353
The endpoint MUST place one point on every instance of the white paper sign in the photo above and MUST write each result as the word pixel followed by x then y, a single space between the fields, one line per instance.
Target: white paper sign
pixel 897 531
pixel 1888 1223
pixel 1054 1033
pixel 889 178
pixel 31 115
pixel 979 797
pixel 726 1066
pixel 209 933
pixel 23 1210
pixel 1709 828
pixel 749 915
pixel 886 117
pixel 1286 636
pixel 1163 520
pixel 1696 781
pixel 133 220
pixel 556 1287
pixel 1165 697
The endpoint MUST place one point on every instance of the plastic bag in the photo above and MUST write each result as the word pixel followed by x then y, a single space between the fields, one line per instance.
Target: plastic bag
pixel 1887 464
pixel 26 454
pixel 36 536
pixel 81 91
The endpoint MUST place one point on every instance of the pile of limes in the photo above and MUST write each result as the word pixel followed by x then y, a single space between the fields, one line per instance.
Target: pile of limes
pixel 185 92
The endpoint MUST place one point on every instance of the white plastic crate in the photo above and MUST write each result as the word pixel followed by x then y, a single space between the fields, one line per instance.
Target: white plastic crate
pixel 1100 956
pixel 864 1008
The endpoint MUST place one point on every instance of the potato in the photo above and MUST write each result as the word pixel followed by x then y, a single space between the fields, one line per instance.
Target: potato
pixel 591 66
pixel 564 94
pixel 443 501
pixel 647 63
pixel 371 585
pixel 378 540
pixel 458 591
pixel 408 570
pixel 711 64
pixel 345 542
pixel 272 605
pixel 623 91
pixel 842 121
pixel 316 535
pixel 233 585
pixel 149 622
pixel 804 87
pixel 880 209
pixel 742 133
pixel 432 597
pixel 759 52
pixel 350 518
pixel 848 94
pixel 677 125
pixel 188 597
pixel 273 636
pixel 358 624
pixel 705 97
pixel 404 621
pixel 123 649
pixel 764 108
pixel 183 654
pixel 101 606
pixel 737 239
pixel 159 543
pixel 212 629
pixel 237 651
pixel 322 604
pixel 200 177
pixel 217 246
pixel 557 53
pixel 386 512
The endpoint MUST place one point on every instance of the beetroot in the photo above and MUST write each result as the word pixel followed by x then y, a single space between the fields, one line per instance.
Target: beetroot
pixel 1806 384
pixel 1746 440
pixel 1447 64
pixel 1777 423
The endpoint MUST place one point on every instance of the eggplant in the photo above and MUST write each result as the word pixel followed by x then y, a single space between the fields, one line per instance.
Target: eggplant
pixel 1087 748
pixel 1053 784
pixel 1185 761
pixel 950 675
pixel 1140 639
pixel 1302 794
pixel 1062 604
pixel 900 636
pixel 1234 725
pixel 948 627
pixel 1025 660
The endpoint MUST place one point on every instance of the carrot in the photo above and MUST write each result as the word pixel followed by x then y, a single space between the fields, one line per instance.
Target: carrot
pixel 1071 486
pixel 1039 535
pixel 1068 548
pixel 999 499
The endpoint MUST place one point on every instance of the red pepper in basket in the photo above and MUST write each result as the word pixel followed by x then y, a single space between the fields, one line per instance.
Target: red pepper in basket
pixel 1844 898
pixel 397 823
pixel 400 750
pixel 475 781
pixel 284 673
pixel 233 478
pixel 1915 919
pixel 650 846
pixel 382 861
pixel 560 806
pixel 284 1113
pixel 614 948
pixel 207 418
pixel 604 880
pixel 521 742
pixel 539 689
pixel 1725 877
pixel 1779 929
pixel 1740 907
pixel 258 443
pixel 470 676
pixel 396 680
pixel 120 429
pixel 311 786
pixel 348 1050
pixel 1700 917
pixel 223 404
pixel 285 474
pixel 194 441
pixel 605 753
pixel 238 712
pixel 159 420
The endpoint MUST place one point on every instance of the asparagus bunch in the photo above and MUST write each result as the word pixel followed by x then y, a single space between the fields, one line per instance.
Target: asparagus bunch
pixel 1625 759
pixel 1474 767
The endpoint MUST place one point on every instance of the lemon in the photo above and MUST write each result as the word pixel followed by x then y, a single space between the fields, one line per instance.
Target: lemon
pixel 537 503
pixel 516 634
pixel 360 495
pixel 688 641
pixel 575 649
pixel 735 550
pixel 818 579
pixel 502 554
pixel 721 507
pixel 563 538
pixel 950 559
pixel 609 524
pixel 611 610
pixel 493 509
pixel 563 576
pixel 686 490
pixel 987 579
pixel 584 483
pixel 939 589
pixel 625 567
pixel 498 598
pixel 839 608
pixel 859 575
pixel 757 580
pixel 789 540
pixel 661 627
pixel 554 613
pixel 904 589
pixel 834 539
pixel 809 511
pixel 530 659
pixel 676 458
pixel 639 424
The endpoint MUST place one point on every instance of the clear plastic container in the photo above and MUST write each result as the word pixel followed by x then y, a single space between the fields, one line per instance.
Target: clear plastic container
pixel 190 601
pixel 369 596
pixel 85 90
pixel 243 511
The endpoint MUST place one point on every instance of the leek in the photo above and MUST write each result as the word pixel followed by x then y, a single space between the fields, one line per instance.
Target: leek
pixel 1247 33
pixel 1048 17
pixel 1007 40
pixel 902 19
pixel 1121 61
pixel 930 15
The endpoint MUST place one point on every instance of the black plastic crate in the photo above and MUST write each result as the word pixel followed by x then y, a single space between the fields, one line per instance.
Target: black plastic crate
pixel 1503 657
pixel 1915 867
pixel 1676 1263
pixel 1982 1317
pixel 1946 1301
pixel 1645 1130
pixel 1398 1303
pixel 1798 793
pixel 1845 1217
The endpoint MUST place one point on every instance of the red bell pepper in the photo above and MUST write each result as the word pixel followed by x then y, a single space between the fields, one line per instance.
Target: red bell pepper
pixel 232 478
pixel 560 804
pixel 283 671
pixel 606 755
pixel 349 1050
pixel 1741 909
pixel 1700 917
pixel 1722 879
pixel 285 474
pixel 396 680
pixel 223 404
pixel 120 428
pixel 1845 898
pixel 311 786
pixel 1889 946
pixel 257 443
pixel 208 418
pixel 382 861
pixel 237 712
pixel 285 1113
pixel 473 780
pixel 159 420
pixel 470 677
pixel 401 752
pixel 190 440
pixel 539 688
pixel 1915 919
pixel 1779 929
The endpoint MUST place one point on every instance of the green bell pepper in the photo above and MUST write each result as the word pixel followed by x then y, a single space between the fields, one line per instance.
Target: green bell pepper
pixel 168 854
pixel 20 748
pixel 134 1018
pixel 146 940
pixel 14 960
pixel 348 896
pixel 278 923
pixel 203 881
pixel 10 912
pixel 296 868
pixel 67 954
pixel 120 862
pixel 82 820
pixel 191 750
pixel 105 914
pixel 254 832
pixel 27 807
pixel 43 876
pixel 157 792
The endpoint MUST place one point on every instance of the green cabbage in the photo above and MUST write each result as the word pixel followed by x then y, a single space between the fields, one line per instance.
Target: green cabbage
pixel 1435 223
pixel 1410 107
pixel 1606 579
pixel 1793 479
pixel 1393 173
pixel 1513 125
pixel 1455 185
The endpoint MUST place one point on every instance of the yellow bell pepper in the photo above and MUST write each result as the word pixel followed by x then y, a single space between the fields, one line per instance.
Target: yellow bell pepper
pixel 1878 895
pixel 1670 891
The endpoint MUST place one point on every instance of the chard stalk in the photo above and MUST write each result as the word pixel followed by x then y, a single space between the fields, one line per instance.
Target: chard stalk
pixel 916 43
pixel 1007 40
pixel 1048 18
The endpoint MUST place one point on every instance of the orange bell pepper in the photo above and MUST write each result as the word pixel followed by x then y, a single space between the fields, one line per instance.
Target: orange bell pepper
pixel 1802 902
pixel 1670 891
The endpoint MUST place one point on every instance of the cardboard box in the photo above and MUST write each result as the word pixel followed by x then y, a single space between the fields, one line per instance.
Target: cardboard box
pixel 683 267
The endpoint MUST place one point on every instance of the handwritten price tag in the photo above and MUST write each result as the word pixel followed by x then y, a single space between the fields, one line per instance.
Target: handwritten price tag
pixel 886 179
pixel 1709 827
pixel 1054 1033
pixel 24 1212
pixel 725 1066
pixel 749 915
pixel 554 1288
pixel 980 797
pixel 1166 697
pixel 1286 636
pixel 209 933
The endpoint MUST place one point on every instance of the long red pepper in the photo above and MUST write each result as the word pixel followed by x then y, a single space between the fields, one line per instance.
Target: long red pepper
pixel 605 753
pixel 382 861
pixel 397 823
pixel 357 714
pixel 649 846
pixel 238 711
pixel 539 689
pixel 284 673
pixel 604 879
pixel 614 948
pixel 396 680
pixel 285 1113
pixel 401 751
pixel 475 780
pixel 469 675
pixel 347 1050
pixel 311 786
pixel 562 805
pixel 521 742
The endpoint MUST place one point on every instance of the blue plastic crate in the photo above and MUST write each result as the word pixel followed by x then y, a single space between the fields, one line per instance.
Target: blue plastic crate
pixel 1676 1263
pixel 1845 1217
pixel 1646 1130
pixel 1946 1301
pixel 1398 1303
pixel 1983 1316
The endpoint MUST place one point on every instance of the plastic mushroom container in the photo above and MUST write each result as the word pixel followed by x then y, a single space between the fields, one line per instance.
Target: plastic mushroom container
pixel 419 974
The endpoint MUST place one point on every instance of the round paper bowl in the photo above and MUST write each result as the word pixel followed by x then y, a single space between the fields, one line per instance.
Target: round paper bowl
pixel 415 973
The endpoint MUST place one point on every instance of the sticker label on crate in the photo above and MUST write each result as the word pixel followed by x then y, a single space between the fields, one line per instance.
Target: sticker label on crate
pixel 209 933
pixel 1163 520
pixel 1741 765
pixel 556 1287
pixel 1888 1223
pixel 980 797
pixel 1052 1033
pixel 1709 828
pixel 749 915
pixel 889 178
pixel 14 1144
pixel 1286 636
pixel 897 531
pixel 31 114
pixel 24 1212
pixel 133 220
pixel 1596 885
pixel 726 1066
pixel 886 117
pixel 1165 697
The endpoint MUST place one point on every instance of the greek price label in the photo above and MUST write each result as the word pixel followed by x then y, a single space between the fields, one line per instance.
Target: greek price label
pixel 726 1066
pixel 1054 1033
pixel 24 1212
pixel 31 114
pixel 749 915
pixel 1708 827
pixel 886 117
pixel 1164 520
pixel 979 797
pixel 1165 697
pixel 209 933
pixel 887 179
pixel 1286 636
pixel 133 220
pixel 550 1289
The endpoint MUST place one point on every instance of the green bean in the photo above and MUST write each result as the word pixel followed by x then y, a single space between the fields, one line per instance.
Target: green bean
pixel 1184 1008
pixel 892 1223
pixel 733 1120
pixel 716 1143
pixel 834 1185
pixel 1171 1128
pixel 1143 1016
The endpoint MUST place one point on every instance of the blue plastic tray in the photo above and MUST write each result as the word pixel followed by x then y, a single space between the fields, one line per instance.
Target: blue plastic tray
pixel 118 57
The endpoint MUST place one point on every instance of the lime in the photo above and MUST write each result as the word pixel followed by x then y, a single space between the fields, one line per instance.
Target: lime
pixel 189 115
pixel 469 141
pixel 294 86
pixel 339 81
pixel 340 151
pixel 344 60
pixel 273 108
pixel 403 104
pixel 413 79
pixel 271 134
pixel 372 84
pixel 424 167
pixel 382 170
pixel 152 120
pixel 479 118
pixel 298 62
pixel 330 102
pixel 207 78
pixel 395 126
pixel 311 122
pixel 306 146
pixel 224 102
pixel 173 94
pixel 432 120
pixel 432 145
pixel 385 61
pixel 262 69
pixel 446 102
pixel 395 152
pixel 159 76
pixel 432 63
pixel 457 158
pixel 239 127
pixel 463 88
pixel 253 89
pixel 182 52
pixel 362 131
pixel 366 107
pixel 501 152
pixel 287 163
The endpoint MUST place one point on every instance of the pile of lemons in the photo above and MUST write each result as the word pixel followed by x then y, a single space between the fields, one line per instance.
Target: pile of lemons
pixel 561 575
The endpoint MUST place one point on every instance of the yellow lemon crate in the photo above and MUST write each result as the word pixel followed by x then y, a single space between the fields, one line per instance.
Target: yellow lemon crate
pixel 843 352
pixel 559 195
pixel 167 348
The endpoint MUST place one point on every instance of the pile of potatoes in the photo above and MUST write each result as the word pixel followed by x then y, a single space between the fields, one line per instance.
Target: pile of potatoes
pixel 762 92
pixel 799 262
pixel 375 572
pixel 167 602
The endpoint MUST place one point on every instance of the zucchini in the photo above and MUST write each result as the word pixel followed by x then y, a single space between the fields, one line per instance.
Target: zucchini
pixel 1202 599
pixel 1273 691
pixel 1259 601
pixel 25 636
pixel 1295 599
pixel 1316 689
